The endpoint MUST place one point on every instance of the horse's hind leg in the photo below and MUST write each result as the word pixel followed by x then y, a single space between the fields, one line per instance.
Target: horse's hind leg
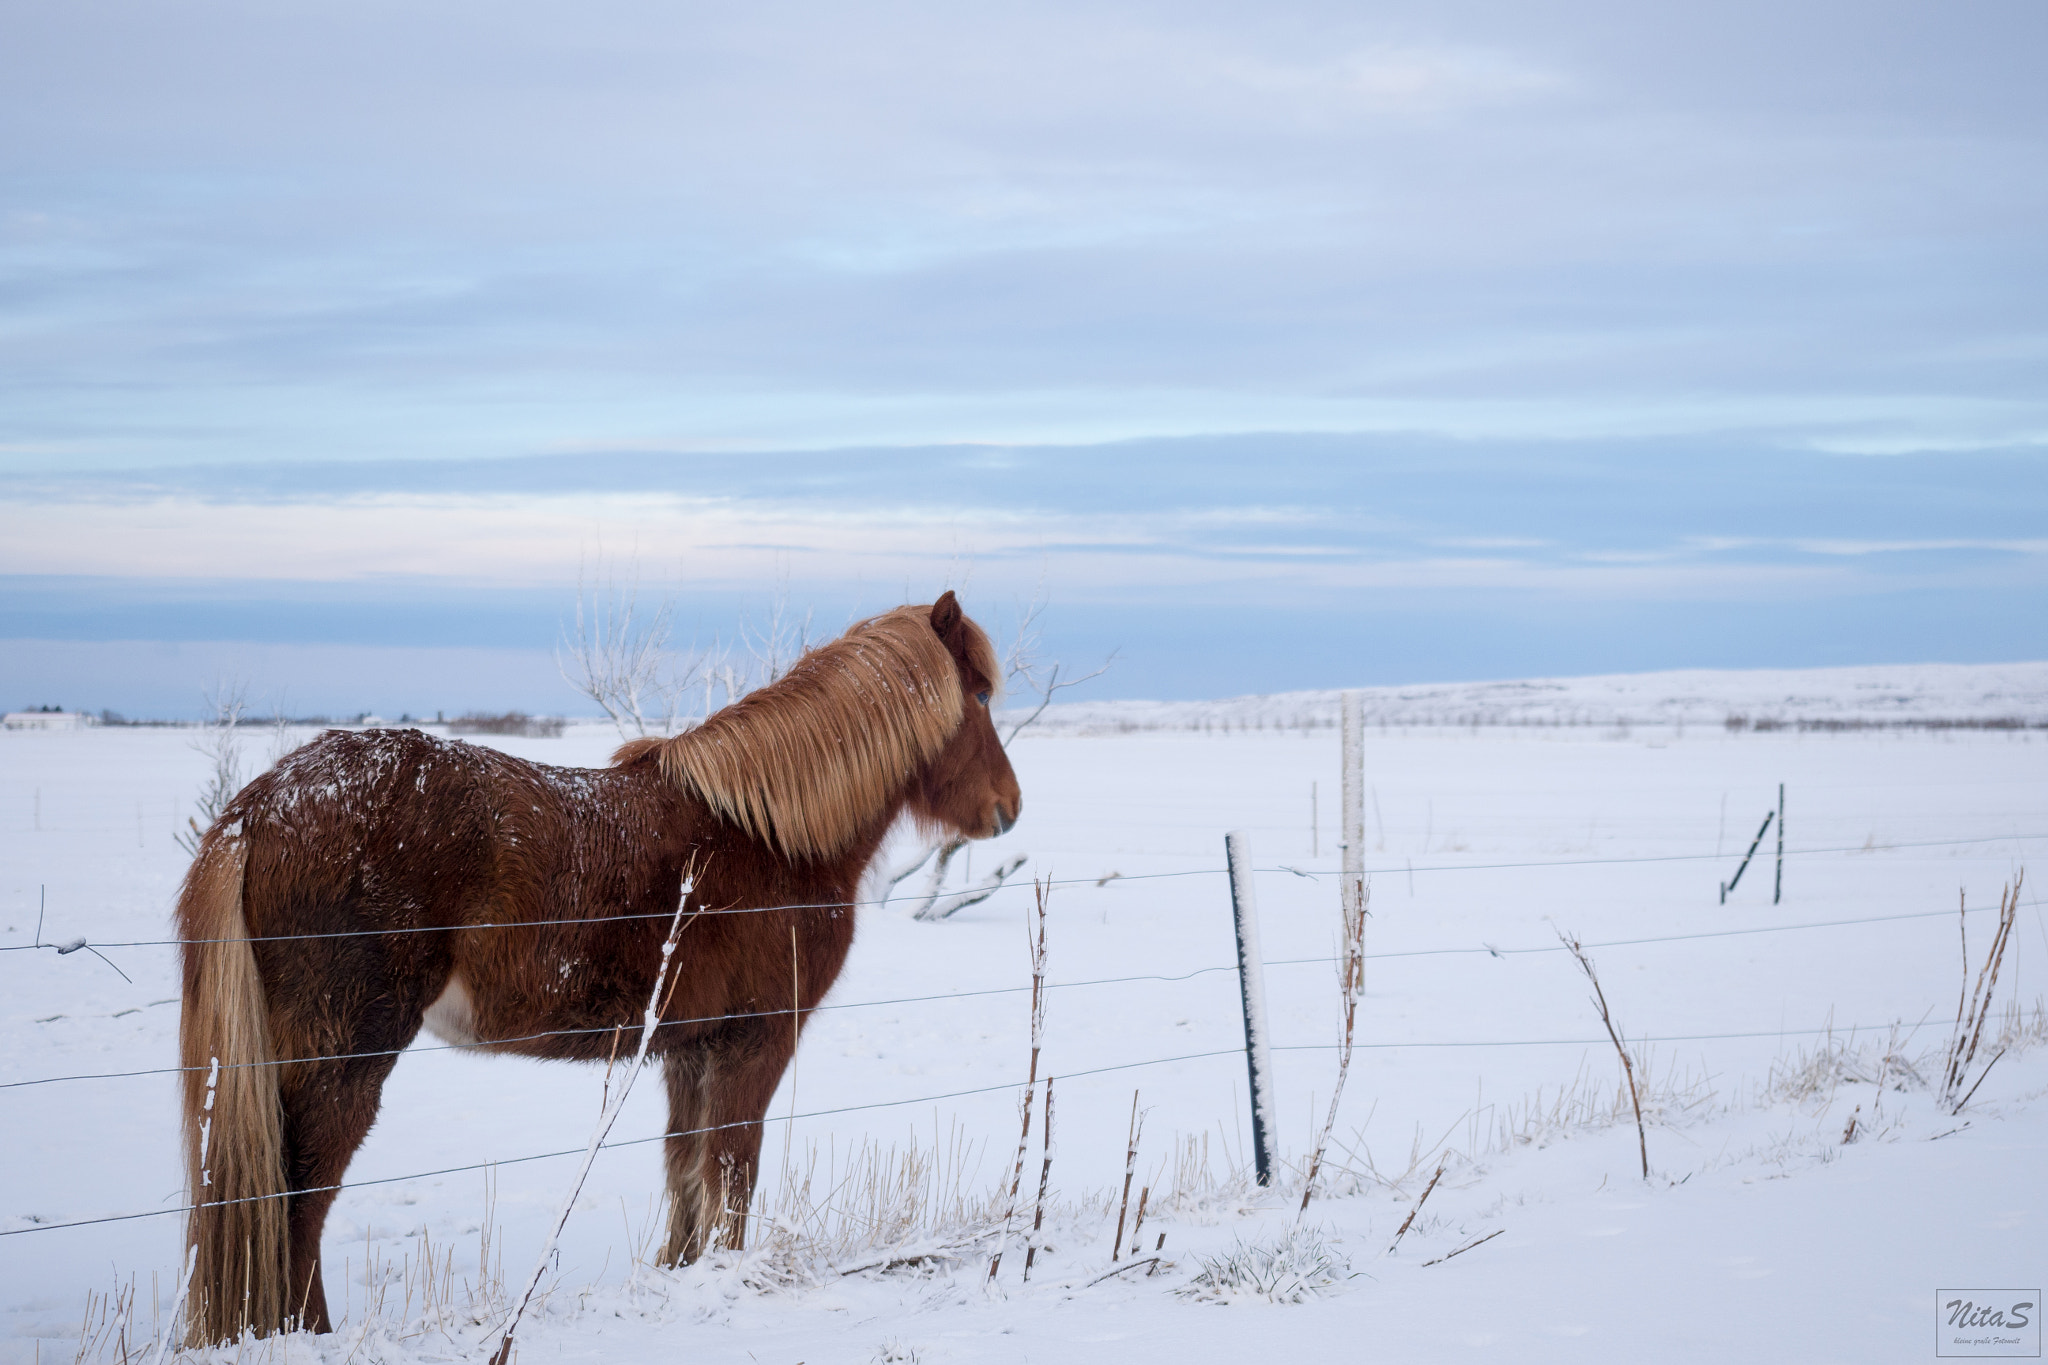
pixel 328 1108
pixel 328 1102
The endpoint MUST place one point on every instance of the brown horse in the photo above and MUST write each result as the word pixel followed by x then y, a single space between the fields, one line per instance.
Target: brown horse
pixel 349 897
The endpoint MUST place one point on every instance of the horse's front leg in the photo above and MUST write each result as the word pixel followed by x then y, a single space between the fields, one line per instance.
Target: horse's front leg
pixel 718 1093
pixel 690 1211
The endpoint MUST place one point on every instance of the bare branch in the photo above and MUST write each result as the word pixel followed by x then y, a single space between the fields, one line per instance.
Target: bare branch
pixel 1026 673
pixel 936 907
pixel 619 657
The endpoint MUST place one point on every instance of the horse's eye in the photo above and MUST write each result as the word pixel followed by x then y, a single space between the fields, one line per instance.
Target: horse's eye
pixel 982 696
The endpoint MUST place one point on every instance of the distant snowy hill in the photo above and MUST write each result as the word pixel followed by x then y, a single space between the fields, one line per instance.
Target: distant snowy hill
pixel 1929 695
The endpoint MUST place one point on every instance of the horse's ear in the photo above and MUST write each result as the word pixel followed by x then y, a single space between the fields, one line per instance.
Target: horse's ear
pixel 946 616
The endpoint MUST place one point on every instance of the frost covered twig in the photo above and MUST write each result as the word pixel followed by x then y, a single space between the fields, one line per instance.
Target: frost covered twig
pixel 1350 986
pixel 1044 1180
pixel 1037 946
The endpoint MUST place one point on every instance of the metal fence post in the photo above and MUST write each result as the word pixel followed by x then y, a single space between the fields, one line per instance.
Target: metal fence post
pixel 1778 886
pixel 1251 979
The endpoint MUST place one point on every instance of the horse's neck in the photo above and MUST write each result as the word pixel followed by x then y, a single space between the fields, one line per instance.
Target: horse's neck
pixel 866 845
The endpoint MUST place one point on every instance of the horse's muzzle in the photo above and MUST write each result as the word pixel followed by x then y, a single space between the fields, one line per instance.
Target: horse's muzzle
pixel 1005 821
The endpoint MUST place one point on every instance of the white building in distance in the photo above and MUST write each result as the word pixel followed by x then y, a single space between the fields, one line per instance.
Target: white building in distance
pixel 47 720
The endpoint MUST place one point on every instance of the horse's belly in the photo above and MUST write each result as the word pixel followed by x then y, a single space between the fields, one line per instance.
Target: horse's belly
pixel 452 1016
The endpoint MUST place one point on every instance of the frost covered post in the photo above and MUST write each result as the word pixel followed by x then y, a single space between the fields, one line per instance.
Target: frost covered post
pixel 1778 884
pixel 1251 979
pixel 1351 888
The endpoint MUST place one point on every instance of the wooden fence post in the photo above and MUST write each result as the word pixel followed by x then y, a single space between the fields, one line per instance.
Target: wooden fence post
pixel 1351 887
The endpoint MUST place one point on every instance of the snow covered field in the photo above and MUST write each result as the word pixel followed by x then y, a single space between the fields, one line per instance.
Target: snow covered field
pixel 1869 696
pixel 1760 1234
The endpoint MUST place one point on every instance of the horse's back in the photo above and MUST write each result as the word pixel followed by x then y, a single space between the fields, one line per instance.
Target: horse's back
pixel 398 827
pixel 380 826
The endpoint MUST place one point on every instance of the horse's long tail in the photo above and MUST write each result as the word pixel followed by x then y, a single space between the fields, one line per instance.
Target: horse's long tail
pixel 233 1141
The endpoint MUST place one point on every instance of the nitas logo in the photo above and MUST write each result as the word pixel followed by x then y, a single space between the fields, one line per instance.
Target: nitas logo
pixel 1989 1322
pixel 1965 1313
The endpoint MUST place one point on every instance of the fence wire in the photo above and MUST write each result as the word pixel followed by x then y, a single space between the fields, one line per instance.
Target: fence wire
pixel 766 1119
pixel 485 1043
pixel 1311 874
pixel 1492 950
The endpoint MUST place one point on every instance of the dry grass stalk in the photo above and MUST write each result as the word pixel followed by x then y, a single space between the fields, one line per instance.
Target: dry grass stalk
pixel 1037 946
pixel 1973 1004
pixel 1628 1069
pixel 108 1323
pixel 1350 987
pixel 1130 1170
pixel 1402 1231
pixel 1481 1241
pixel 875 1207
pixel 1044 1181
pixel 1138 1227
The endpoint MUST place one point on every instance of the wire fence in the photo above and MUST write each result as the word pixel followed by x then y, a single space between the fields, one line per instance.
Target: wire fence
pixel 590 921
pixel 766 1119
pixel 1007 1086
pixel 483 1044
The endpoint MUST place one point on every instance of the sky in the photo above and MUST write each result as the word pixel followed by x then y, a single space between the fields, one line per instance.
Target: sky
pixel 1282 347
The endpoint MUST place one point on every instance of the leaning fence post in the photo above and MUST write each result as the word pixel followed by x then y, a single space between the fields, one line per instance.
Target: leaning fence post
pixel 1251 980
pixel 1754 844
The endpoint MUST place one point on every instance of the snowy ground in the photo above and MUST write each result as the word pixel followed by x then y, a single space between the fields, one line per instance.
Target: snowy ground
pixel 1873 695
pixel 1759 1234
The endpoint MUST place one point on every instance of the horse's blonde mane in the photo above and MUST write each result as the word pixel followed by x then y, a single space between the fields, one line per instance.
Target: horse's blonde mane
pixel 806 761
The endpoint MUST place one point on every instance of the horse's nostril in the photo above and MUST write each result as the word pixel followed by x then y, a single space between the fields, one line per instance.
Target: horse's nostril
pixel 1005 821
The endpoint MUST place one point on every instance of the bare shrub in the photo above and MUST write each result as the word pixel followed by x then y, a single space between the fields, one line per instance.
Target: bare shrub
pixel 221 742
pixel 618 654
